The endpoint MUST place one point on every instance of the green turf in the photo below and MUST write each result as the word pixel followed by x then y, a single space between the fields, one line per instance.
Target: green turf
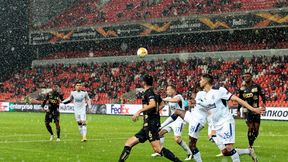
pixel 25 138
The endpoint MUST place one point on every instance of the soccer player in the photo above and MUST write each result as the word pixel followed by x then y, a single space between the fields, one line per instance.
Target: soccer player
pixel 215 101
pixel 175 101
pixel 251 92
pixel 80 99
pixel 151 104
pixel 53 98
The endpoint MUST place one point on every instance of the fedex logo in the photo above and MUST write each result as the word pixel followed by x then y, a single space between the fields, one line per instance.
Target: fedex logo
pixel 115 109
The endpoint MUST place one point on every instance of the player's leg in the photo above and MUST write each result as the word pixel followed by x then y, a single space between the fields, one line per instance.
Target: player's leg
pixel 173 117
pixel 57 124
pixel 163 151
pixel 177 128
pixel 140 137
pixel 48 120
pixel 193 132
pixel 163 132
pixel 230 151
pixel 251 130
pixel 227 135
pixel 162 138
pixel 78 120
pixel 84 127
pixel 152 135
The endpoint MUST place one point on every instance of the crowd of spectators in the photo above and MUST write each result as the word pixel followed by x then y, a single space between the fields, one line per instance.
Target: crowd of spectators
pixel 114 80
pixel 116 11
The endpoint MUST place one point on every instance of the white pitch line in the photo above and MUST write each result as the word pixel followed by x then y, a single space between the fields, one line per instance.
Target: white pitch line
pixel 65 140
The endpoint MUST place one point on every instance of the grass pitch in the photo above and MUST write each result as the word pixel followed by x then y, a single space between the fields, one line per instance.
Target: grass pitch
pixel 24 138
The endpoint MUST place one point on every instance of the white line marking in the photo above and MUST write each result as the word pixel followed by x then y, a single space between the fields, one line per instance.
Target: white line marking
pixel 64 140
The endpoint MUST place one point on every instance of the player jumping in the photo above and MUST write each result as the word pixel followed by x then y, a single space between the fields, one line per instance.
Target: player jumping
pixel 80 98
pixel 175 101
pixel 54 98
pixel 151 103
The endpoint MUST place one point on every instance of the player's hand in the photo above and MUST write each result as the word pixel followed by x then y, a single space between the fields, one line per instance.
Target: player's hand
pixel 166 99
pixel 135 116
pixel 259 110
pixel 238 114
pixel 264 106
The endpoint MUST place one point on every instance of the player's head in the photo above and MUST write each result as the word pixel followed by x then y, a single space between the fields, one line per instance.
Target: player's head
pixel 78 86
pixel 171 90
pixel 206 79
pixel 247 77
pixel 146 80
pixel 55 87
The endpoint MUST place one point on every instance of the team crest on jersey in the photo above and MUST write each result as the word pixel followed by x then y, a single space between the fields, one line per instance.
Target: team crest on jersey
pixel 254 90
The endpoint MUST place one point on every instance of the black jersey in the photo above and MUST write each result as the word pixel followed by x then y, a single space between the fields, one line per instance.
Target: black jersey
pixel 54 99
pixel 154 112
pixel 251 94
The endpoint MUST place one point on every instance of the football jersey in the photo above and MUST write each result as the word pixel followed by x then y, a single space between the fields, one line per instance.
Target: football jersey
pixel 79 100
pixel 215 102
pixel 179 105
pixel 199 112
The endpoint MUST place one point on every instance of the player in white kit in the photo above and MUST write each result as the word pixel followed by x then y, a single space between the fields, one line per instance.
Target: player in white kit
pixel 175 101
pixel 196 120
pixel 81 100
pixel 215 101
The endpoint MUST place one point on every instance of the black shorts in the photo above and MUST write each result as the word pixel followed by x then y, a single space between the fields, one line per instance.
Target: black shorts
pixel 253 117
pixel 52 115
pixel 149 132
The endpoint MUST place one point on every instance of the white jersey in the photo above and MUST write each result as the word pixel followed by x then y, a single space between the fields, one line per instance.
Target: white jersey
pixel 199 112
pixel 180 105
pixel 79 99
pixel 215 102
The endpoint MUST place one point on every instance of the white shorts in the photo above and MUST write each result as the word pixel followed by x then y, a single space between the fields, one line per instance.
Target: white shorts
pixel 176 126
pixel 195 126
pixel 226 134
pixel 80 117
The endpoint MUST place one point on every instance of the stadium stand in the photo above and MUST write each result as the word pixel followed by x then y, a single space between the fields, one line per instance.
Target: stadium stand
pixel 89 12
pixel 202 42
pixel 111 80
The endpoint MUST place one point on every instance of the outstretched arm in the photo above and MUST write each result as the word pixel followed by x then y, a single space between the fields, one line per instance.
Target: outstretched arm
pixel 174 100
pixel 246 105
pixel 68 100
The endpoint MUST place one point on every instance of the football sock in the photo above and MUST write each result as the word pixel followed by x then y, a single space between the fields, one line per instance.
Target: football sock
pixel 49 129
pixel 84 129
pixel 125 153
pixel 197 155
pixel 185 147
pixel 243 151
pixel 169 155
pixel 58 132
pixel 162 139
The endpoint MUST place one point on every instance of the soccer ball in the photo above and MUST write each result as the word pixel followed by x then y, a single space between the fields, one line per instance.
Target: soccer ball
pixel 142 52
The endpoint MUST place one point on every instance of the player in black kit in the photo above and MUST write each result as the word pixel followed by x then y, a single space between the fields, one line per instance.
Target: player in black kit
pixel 54 99
pixel 151 104
pixel 251 93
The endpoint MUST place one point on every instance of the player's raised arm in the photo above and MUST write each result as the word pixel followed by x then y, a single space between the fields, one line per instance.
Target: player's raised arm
pixel 174 99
